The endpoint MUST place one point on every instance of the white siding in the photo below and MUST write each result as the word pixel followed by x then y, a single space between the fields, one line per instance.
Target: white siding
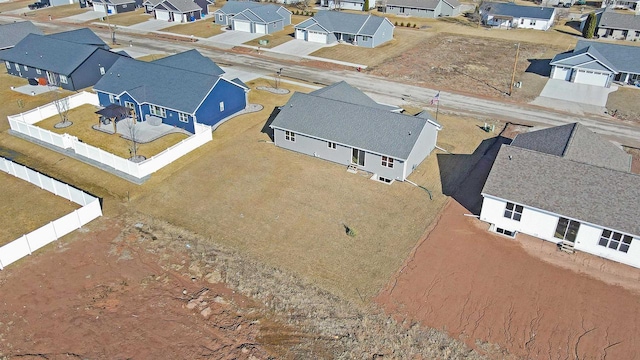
pixel 300 34
pixel 542 224
pixel 424 145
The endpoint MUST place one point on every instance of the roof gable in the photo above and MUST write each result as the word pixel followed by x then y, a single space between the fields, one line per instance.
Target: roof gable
pixel 12 33
pixel 622 57
pixel 80 36
pixel 337 21
pixel 342 91
pixel 193 61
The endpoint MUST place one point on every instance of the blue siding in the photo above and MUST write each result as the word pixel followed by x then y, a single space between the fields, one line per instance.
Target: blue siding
pixel 103 98
pixel 234 100
pixel 173 119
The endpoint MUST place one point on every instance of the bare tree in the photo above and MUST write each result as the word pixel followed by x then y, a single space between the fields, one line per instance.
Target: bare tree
pixel 132 135
pixel 61 103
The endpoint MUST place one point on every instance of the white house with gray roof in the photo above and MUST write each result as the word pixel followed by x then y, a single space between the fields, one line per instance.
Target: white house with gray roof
pixel 253 17
pixel 347 4
pixel 327 27
pixel 12 33
pixel 569 186
pixel 423 8
pixel 614 25
pixel 511 16
pixel 597 63
pixel 341 124
pixel 116 6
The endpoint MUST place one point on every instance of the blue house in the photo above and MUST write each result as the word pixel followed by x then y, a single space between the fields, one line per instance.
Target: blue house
pixel 72 60
pixel 179 90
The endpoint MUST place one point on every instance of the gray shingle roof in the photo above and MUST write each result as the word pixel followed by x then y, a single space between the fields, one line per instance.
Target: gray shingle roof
pixel 191 60
pixel 623 57
pixel 342 91
pixel 180 6
pixel 614 20
pixel 80 36
pixel 415 4
pixel 114 2
pixel 518 11
pixel 169 87
pixel 47 53
pixel 575 142
pixel 582 58
pixel 234 7
pixel 337 21
pixel 375 130
pixel 12 33
pixel 584 192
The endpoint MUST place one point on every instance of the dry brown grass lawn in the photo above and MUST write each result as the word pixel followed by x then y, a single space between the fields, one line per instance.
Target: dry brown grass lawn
pixel 128 18
pixel 14 102
pixel 84 118
pixel 202 28
pixel 151 57
pixel 289 210
pixel 25 207
pixel 627 101
pixel 58 12
pixel 275 39
pixel 14 5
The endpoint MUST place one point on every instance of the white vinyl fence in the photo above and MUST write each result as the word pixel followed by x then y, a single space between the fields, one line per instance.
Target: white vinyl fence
pixel 27 244
pixel 23 123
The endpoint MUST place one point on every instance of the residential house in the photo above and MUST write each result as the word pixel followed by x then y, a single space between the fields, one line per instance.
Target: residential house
pixel 622 4
pixel 253 17
pixel 341 124
pixel 179 90
pixel 349 4
pixel 423 8
pixel 569 186
pixel 614 25
pixel 327 27
pixel 59 2
pixel 65 59
pixel 597 63
pixel 177 10
pixel 12 33
pixel 116 6
pixel 510 15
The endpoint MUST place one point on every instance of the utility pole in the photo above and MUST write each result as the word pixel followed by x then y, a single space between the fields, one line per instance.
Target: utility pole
pixel 515 64
pixel 112 31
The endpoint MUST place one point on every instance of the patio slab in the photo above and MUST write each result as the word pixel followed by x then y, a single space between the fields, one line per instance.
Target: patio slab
pixel 297 47
pixel 232 37
pixel 33 89
pixel 145 132
pixel 84 17
pixel 151 25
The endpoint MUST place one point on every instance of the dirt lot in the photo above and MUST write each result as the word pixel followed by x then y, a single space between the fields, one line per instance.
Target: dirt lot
pixel 480 66
pixel 25 207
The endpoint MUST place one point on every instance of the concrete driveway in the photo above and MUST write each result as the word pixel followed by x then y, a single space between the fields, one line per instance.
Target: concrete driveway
pixel 232 37
pixel 575 98
pixel 84 17
pixel 298 47
pixel 152 25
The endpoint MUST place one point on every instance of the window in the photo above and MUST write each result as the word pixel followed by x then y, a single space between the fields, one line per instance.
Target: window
pixel 112 98
pixel 102 70
pixel 506 232
pixel 331 145
pixel 183 117
pixel 615 240
pixel 521 21
pixel 366 38
pixel 8 64
pixel 38 71
pixel 157 111
pixel 637 33
pixel 532 22
pixel 288 135
pixel 384 180
pixel 567 229
pixel 26 68
pixel 221 105
pixel 130 105
pixel 17 66
pixel 63 79
pixel 513 211
pixel 387 162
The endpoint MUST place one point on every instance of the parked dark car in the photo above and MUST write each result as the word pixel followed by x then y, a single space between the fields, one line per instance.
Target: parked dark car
pixel 38 5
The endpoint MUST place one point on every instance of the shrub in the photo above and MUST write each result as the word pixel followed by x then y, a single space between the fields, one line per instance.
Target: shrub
pixel 401 24
pixel 396 24
pixel 414 26
pixel 589 28
pixel 408 24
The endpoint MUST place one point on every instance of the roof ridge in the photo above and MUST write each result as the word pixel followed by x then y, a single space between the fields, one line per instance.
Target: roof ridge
pixel 571 137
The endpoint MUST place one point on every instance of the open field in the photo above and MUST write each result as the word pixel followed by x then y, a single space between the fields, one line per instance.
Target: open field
pixel 289 210
pixel 25 207
pixel 14 102
pixel 202 28
pixel 128 18
pixel 473 65
pixel 625 103
pixel 84 117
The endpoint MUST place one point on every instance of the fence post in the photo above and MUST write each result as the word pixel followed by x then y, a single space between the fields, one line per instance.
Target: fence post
pixel 79 220
pixel 55 233
pixel 1 266
pixel 26 238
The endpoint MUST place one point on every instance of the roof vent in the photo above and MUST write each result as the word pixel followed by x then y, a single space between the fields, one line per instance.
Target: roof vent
pixel 409 133
pixel 510 157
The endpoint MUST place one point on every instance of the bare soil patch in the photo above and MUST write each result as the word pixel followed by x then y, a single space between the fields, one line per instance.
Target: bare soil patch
pixel 474 65
pixel 25 207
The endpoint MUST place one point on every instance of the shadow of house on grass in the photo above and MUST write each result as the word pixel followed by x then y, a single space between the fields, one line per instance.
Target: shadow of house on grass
pixel 541 67
pixel 266 129
pixel 463 175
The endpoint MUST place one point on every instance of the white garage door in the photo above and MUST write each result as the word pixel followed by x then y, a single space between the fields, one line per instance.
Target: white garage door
pixel 300 34
pixel 241 26
pixel 591 78
pixel 317 37
pixel 98 7
pixel 162 15
pixel 562 73
pixel 261 29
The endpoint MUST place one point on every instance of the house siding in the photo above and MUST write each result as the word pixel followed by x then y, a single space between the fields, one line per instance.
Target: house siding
pixel 222 19
pixel 383 34
pixel 620 34
pixel 425 144
pixel 402 10
pixel 342 154
pixel 542 224
pixel 204 5
pixel 345 5
pixel 88 73
pixel 234 100
pixel 516 23
pixel 448 10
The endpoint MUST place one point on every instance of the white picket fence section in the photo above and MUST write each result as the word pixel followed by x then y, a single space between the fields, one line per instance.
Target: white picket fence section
pixel 27 244
pixel 23 123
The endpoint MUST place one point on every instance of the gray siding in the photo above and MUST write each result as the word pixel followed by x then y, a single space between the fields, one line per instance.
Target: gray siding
pixel 423 13
pixel 275 27
pixel 341 154
pixel 222 19
pixel 383 34
pixel 447 10
pixel 424 145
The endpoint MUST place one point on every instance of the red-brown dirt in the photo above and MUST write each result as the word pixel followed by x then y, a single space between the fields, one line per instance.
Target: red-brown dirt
pixel 103 295
pixel 485 288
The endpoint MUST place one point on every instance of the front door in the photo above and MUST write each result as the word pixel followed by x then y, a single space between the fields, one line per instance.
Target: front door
pixel 567 229
pixel 357 157
pixel 51 78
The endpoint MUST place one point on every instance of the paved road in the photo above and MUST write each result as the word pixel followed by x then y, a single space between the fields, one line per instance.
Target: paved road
pixel 387 91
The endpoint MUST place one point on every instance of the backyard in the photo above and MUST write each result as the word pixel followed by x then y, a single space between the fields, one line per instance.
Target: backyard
pixel 24 207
